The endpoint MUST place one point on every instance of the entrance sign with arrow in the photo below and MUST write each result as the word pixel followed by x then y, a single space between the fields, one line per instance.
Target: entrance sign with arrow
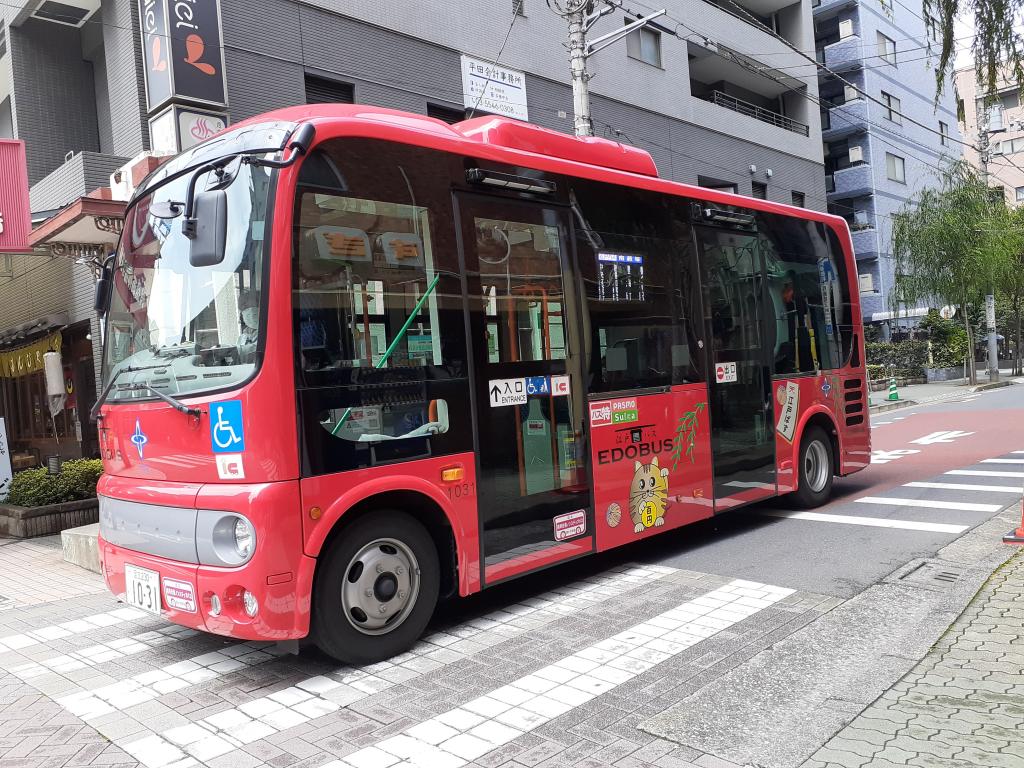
pixel 506 392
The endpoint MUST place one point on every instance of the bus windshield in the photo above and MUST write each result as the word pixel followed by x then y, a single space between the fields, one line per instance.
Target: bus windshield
pixel 190 329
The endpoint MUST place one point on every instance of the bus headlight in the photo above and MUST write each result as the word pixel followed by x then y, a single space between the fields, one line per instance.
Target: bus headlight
pixel 225 539
pixel 245 537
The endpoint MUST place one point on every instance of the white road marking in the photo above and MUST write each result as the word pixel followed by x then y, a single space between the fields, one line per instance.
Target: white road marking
pixel 69 628
pixel 258 718
pixel 966 487
pixel 983 473
pixel 875 522
pixel 466 733
pixel 884 457
pixel 947 436
pixel 1017 452
pixel 1002 461
pixel 963 506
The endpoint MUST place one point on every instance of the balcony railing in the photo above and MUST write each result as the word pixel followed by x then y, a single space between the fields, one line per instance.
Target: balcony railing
pixel 758 113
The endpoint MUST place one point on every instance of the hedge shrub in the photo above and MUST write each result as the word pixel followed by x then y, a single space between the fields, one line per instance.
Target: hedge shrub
pixel 35 488
pixel 909 357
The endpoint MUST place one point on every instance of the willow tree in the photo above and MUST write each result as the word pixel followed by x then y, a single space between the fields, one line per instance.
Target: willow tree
pixel 952 244
pixel 997 47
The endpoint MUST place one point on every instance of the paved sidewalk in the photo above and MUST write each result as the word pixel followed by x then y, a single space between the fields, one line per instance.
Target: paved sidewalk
pixel 920 394
pixel 962 706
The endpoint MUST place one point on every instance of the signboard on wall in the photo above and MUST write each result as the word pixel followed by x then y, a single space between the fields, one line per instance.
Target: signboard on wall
pixel 15 220
pixel 182 43
pixel 179 128
pixel 487 87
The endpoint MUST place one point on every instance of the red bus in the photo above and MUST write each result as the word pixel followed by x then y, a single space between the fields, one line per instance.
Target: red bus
pixel 358 360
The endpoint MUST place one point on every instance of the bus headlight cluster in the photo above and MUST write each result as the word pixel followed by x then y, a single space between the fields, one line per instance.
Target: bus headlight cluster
pixel 225 539
pixel 245 537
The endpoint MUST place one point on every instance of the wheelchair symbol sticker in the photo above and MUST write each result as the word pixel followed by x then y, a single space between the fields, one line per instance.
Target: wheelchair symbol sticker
pixel 226 431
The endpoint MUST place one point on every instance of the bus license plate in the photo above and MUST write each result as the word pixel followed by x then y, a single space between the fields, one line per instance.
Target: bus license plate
pixel 142 588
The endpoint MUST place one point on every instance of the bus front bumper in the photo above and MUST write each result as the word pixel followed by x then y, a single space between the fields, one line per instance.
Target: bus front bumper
pixel 187 590
pixel 267 598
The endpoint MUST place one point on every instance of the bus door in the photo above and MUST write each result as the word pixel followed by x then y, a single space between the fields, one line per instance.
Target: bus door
pixel 533 490
pixel 739 380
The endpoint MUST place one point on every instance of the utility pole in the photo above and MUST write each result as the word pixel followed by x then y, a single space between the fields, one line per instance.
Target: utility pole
pixel 990 299
pixel 581 16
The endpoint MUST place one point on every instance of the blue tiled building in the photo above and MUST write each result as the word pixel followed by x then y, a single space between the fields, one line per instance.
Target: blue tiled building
pixel 878 154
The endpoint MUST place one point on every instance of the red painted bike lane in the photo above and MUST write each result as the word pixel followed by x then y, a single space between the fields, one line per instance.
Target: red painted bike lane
pixel 921 442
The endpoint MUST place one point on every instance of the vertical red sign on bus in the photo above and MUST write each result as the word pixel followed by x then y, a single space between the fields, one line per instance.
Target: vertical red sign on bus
pixel 15 218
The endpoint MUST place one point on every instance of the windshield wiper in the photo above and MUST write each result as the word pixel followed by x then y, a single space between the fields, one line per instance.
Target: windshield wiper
pixel 94 412
pixel 175 404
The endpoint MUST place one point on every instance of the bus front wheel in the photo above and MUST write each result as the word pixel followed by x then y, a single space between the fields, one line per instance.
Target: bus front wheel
pixel 816 468
pixel 376 588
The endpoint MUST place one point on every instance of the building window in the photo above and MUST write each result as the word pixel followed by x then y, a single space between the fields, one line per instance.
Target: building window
pixel 943 134
pixel 519 7
pixel 895 168
pixel 1020 194
pixel 644 44
pixel 799 199
pixel 322 91
pixel 759 190
pixel 886 48
pixel 447 114
pixel 892 107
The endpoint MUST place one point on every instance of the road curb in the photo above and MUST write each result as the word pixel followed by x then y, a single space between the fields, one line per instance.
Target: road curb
pixel 883 407
pixel 991 385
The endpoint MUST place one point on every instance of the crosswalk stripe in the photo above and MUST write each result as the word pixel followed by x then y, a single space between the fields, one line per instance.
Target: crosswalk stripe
pixel 966 487
pixel 875 522
pixel 984 473
pixel 258 718
pixel 470 731
pixel 68 628
pixel 963 506
pixel 1002 461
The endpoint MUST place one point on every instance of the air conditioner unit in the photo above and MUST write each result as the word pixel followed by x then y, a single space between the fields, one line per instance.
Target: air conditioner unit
pixel 845 29
pixel 867 283
pixel 856 154
pixel 850 93
pixel 71 13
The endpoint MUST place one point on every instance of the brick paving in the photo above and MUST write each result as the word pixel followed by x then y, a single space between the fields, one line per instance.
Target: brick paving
pixel 962 706
pixel 85 681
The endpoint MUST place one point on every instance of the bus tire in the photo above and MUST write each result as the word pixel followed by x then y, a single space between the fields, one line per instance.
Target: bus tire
pixel 816 467
pixel 376 588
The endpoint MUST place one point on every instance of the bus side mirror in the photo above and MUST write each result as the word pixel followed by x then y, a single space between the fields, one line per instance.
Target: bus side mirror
pixel 101 303
pixel 211 228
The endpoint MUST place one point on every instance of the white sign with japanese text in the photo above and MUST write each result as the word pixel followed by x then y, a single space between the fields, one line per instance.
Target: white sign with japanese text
pixel 5 462
pixel 487 87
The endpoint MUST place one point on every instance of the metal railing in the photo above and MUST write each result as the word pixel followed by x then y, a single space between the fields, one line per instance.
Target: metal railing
pixel 758 113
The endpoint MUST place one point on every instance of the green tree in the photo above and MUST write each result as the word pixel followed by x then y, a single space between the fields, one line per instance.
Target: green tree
pixel 953 243
pixel 997 47
pixel 1011 299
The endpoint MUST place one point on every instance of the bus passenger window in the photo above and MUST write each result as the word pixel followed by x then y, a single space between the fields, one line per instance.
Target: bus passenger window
pixel 521 281
pixel 368 294
pixel 805 294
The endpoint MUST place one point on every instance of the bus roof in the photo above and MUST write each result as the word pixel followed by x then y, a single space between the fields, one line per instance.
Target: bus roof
pixel 511 139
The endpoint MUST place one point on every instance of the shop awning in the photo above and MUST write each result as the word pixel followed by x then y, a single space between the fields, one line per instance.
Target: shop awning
pixel 87 229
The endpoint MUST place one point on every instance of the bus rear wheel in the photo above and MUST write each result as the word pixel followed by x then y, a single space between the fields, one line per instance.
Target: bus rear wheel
pixel 376 588
pixel 816 469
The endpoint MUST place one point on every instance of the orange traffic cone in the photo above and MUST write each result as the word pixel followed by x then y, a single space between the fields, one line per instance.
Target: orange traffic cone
pixel 1016 536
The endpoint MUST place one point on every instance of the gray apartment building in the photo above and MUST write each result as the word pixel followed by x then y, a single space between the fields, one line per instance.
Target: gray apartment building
pixel 880 151
pixel 712 90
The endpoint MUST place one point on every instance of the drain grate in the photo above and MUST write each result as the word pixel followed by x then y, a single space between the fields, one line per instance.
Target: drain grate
pixel 931 574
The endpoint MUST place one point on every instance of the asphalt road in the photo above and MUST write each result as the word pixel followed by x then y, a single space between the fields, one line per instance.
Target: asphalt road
pixel 977 433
